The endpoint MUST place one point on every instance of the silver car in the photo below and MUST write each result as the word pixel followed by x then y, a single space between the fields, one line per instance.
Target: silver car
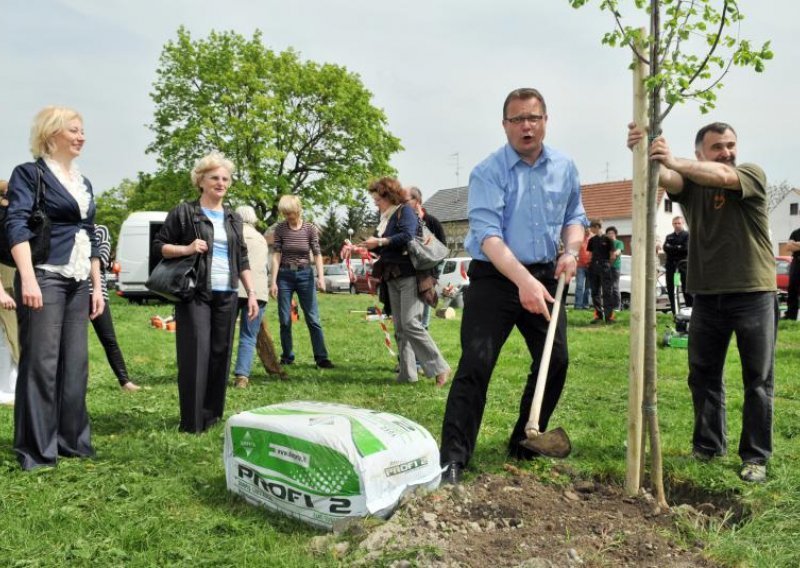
pixel 336 278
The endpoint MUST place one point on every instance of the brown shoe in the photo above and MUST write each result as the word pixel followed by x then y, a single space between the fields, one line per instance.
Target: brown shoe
pixel 130 387
pixel 240 382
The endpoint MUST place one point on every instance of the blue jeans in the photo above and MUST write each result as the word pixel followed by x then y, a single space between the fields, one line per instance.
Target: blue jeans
pixel 248 333
pixel 582 288
pixel 301 282
pixel 715 318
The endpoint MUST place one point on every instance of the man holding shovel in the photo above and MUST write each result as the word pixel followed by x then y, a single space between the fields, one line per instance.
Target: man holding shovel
pixel 731 277
pixel 523 200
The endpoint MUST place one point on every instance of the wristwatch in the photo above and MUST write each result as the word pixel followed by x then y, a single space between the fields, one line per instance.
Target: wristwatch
pixel 572 253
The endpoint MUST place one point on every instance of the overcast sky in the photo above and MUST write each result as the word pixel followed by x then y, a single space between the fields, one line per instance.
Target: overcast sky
pixel 440 69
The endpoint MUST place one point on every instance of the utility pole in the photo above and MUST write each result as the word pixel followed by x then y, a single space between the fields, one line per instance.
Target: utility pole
pixel 458 169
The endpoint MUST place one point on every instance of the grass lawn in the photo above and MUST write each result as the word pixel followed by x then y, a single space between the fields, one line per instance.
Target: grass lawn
pixel 155 497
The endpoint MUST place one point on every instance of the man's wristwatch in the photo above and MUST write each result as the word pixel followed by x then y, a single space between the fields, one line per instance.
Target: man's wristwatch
pixel 573 253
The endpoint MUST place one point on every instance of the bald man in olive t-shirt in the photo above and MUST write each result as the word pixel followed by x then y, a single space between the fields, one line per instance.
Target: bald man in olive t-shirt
pixel 731 275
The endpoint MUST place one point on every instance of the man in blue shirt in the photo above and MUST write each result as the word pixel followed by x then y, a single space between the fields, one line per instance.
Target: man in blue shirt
pixel 524 200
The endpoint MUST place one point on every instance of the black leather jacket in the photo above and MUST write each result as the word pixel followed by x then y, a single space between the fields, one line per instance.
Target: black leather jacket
pixel 178 230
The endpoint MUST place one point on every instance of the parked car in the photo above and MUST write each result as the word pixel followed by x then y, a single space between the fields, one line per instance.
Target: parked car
pixel 782 275
pixel 364 282
pixel 662 298
pixel 454 274
pixel 336 278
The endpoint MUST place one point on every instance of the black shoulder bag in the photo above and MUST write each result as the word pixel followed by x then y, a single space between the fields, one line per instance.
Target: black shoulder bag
pixel 38 223
pixel 175 279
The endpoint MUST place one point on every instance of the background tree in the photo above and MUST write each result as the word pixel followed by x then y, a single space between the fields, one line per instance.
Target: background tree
pixel 360 218
pixel 776 193
pixel 150 192
pixel 688 51
pixel 331 235
pixel 290 126
pixel 112 208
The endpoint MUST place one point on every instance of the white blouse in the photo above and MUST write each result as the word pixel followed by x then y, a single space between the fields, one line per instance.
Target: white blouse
pixel 80 262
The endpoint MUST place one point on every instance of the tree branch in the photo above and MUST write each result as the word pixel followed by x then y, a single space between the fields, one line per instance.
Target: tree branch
pixel 618 20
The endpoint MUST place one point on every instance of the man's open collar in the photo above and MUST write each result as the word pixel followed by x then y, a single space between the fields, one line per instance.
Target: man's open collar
pixel 512 157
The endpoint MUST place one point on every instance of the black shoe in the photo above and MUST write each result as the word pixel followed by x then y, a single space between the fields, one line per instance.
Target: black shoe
pixel 452 473
pixel 518 452
pixel 285 361
pixel 325 364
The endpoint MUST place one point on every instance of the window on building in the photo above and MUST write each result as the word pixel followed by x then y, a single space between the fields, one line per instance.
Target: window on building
pixel 667 206
pixel 793 209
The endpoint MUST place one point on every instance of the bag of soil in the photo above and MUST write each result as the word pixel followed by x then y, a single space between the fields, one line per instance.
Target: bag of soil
pixel 327 463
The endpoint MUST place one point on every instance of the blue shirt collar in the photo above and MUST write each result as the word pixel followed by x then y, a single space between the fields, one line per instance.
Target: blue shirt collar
pixel 512 158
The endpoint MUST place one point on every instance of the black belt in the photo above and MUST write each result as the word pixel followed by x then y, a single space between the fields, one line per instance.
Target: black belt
pixel 482 268
pixel 294 267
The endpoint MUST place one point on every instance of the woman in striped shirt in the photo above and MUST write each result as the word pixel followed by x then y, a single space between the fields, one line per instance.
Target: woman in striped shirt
pixel 295 242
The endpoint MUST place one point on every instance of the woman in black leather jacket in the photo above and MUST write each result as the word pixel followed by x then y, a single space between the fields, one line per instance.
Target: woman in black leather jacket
pixel 205 323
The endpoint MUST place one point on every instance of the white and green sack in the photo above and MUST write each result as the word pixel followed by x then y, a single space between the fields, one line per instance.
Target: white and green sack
pixel 327 463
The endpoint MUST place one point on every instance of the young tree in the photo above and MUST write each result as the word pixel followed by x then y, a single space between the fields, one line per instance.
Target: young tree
pixel 688 50
pixel 289 126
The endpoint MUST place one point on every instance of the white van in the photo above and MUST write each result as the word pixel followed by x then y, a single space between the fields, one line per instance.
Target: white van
pixel 133 254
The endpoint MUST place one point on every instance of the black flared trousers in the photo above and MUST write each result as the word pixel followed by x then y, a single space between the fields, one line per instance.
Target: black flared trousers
pixel 491 311
pixel 104 328
pixel 204 343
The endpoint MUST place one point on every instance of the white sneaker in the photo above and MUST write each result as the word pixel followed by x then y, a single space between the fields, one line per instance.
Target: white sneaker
pixel 753 473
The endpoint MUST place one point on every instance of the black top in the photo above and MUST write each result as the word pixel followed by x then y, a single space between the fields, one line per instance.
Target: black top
pixel 795 236
pixel 676 247
pixel 600 246
pixel 185 223
pixel 62 209
pixel 435 227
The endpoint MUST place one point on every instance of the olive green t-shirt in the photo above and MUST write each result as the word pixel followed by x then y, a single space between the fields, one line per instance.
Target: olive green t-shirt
pixel 729 245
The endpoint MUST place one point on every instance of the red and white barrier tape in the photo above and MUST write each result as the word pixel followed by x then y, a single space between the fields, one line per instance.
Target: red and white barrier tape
pixel 366 257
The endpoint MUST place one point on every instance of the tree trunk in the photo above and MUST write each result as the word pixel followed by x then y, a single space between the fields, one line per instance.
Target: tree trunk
pixel 650 405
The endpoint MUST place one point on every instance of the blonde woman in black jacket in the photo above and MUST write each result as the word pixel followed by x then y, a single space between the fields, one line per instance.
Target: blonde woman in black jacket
pixel 205 324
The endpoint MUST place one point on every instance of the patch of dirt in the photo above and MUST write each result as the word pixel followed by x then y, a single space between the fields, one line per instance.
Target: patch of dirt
pixel 516 520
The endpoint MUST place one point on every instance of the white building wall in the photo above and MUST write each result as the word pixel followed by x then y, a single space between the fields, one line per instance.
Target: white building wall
pixel 781 220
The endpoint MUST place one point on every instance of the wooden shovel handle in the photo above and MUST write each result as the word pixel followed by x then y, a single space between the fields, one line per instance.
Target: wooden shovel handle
pixel 544 366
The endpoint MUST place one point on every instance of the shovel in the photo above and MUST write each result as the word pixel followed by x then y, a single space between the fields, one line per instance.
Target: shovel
pixel 553 443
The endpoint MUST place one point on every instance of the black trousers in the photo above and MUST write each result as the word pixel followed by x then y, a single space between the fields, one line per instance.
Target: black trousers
pixel 602 280
pixel 50 416
pixel 204 343
pixel 491 310
pixel 715 318
pixel 793 290
pixel 671 269
pixel 104 328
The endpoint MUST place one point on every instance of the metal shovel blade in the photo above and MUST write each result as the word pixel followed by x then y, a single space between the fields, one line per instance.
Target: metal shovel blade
pixel 552 444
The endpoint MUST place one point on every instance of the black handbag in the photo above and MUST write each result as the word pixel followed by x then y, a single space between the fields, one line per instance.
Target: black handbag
pixel 175 279
pixel 38 223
